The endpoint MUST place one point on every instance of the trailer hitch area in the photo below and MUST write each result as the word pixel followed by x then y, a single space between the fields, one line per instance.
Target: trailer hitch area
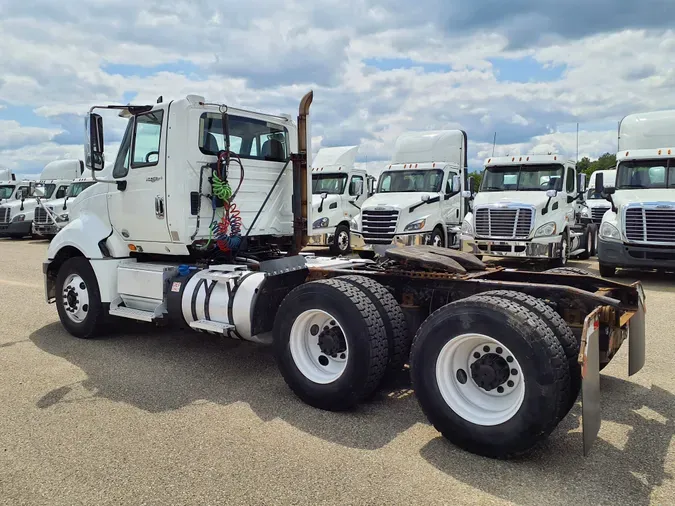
pixel 620 325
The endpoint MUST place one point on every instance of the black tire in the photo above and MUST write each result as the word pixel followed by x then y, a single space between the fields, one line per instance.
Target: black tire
pixel 93 324
pixel 607 271
pixel 560 329
pixel 585 244
pixel 564 252
pixel 594 238
pixel 438 238
pixel 395 325
pixel 339 247
pixel 569 270
pixel 535 347
pixel 366 255
pixel 363 332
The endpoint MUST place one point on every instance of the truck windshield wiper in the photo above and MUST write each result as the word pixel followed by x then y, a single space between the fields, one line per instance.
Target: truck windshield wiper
pixel 635 186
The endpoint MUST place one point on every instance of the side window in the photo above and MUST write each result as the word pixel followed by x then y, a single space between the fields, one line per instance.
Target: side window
pixel 147 138
pixel 61 192
pixel 571 178
pixel 448 185
pixel 121 168
pixel 354 183
pixel 18 192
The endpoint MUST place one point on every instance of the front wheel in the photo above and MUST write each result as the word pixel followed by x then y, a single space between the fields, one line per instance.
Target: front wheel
pixel 489 375
pixel 438 238
pixel 607 271
pixel 78 300
pixel 341 242
pixel 561 261
pixel 594 239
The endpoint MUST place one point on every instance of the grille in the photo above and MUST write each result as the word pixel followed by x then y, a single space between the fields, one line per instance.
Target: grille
pixel 41 215
pixel 650 225
pixel 597 213
pixel 4 214
pixel 379 227
pixel 515 223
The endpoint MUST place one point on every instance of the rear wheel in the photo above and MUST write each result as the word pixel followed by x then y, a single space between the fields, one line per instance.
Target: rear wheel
pixel 78 300
pixel 594 239
pixel 560 329
pixel 569 270
pixel 341 242
pixel 586 244
pixel 330 344
pixel 490 375
pixel 395 325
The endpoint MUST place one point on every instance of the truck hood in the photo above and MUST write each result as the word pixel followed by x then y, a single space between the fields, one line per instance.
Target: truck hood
pixel 56 204
pixel 15 205
pixel 537 199
pixel 395 200
pixel 625 197
pixel 316 200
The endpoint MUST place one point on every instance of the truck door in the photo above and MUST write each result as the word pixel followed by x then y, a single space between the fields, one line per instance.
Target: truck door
pixel 450 201
pixel 137 205
pixel 353 199
pixel 570 194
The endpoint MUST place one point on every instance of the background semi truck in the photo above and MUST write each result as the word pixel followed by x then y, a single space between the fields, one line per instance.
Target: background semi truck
pixel 594 207
pixel 528 208
pixel 418 199
pixel 200 223
pixel 16 217
pixel 52 215
pixel 638 231
pixel 338 192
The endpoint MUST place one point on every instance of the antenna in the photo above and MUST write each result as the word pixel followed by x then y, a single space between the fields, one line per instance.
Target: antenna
pixel 494 141
pixel 577 142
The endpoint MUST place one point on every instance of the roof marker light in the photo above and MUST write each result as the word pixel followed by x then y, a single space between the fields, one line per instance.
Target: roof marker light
pixel 489 160
pixel 415 165
pixel 433 165
pixel 527 159
pixel 659 151
pixel 513 159
pixel 669 151
pixel 555 158
pixel 627 153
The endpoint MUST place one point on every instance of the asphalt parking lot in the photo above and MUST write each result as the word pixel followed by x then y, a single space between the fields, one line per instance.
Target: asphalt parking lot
pixel 155 416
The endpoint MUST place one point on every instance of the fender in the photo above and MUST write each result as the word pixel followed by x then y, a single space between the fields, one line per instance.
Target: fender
pixel 85 233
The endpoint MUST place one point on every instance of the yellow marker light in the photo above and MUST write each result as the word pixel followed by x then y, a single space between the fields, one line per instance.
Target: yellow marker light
pixel 132 247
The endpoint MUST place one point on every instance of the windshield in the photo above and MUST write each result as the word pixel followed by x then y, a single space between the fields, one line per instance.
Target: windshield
pixel 48 189
pixel 594 195
pixel 528 177
pixel 76 188
pixel 6 191
pixel 395 181
pixel 333 184
pixel 646 174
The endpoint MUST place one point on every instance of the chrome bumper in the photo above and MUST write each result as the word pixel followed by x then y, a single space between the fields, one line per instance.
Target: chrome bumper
pixel 544 248
pixel 45 229
pixel 325 239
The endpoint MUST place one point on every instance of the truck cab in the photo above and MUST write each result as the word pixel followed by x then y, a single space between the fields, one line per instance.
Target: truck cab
pixel 338 192
pixel 52 215
pixel 638 231
pixel 16 217
pixel 418 199
pixel 526 209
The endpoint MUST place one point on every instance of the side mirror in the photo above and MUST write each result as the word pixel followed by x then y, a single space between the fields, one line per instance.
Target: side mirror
pixel 551 193
pixel 581 182
pixel 472 185
pixel 93 147
pixel 38 191
pixel 466 194
pixel 600 182
pixel 456 184
pixel 31 188
pixel 425 197
pixel 356 188
pixel 23 194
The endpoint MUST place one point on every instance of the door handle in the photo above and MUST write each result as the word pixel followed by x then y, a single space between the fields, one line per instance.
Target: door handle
pixel 159 207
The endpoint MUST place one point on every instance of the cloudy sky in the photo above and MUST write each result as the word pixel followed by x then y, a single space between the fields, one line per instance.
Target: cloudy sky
pixel 528 70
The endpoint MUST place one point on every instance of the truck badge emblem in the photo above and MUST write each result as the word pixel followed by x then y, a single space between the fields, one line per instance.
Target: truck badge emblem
pixel 153 179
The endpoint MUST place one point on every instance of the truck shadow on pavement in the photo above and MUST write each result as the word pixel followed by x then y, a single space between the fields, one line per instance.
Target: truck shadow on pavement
pixel 639 422
pixel 158 370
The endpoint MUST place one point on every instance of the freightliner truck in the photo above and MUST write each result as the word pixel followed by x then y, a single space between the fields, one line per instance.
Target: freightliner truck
pixel 201 222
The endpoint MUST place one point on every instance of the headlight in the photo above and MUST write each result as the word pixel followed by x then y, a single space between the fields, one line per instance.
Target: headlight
pixel 354 225
pixel 19 217
pixel 585 212
pixel 609 231
pixel 320 223
pixel 415 225
pixel 467 229
pixel 546 230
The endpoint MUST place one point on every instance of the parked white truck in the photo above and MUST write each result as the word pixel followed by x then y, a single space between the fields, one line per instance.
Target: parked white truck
pixel 527 208
pixel 638 231
pixel 594 206
pixel 200 223
pixel 52 215
pixel 418 200
pixel 339 190
pixel 16 218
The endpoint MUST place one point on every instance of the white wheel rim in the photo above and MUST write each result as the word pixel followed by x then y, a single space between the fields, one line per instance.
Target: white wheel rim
pixel 595 242
pixel 308 334
pixel 75 298
pixel 564 251
pixel 462 393
pixel 343 241
pixel 437 240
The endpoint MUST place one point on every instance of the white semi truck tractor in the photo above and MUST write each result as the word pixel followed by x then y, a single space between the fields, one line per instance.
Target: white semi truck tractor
pixel 594 206
pixel 16 218
pixel 200 223
pixel 339 189
pixel 418 199
pixel 52 215
pixel 528 208
pixel 638 231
